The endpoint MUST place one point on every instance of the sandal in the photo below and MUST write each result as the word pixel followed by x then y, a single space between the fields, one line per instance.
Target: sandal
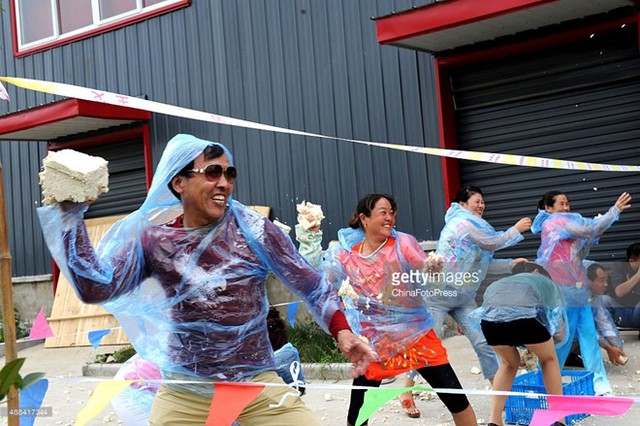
pixel 409 406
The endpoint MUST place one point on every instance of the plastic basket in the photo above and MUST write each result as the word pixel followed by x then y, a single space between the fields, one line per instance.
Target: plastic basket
pixel 519 409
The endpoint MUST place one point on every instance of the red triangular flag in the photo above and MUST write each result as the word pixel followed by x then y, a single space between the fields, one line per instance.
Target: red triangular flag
pixel 40 328
pixel 229 399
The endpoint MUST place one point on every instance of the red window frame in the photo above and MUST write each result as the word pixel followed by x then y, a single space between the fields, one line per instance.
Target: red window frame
pixel 62 40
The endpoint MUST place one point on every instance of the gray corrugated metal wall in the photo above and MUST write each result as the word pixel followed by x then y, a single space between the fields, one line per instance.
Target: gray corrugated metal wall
pixel 579 102
pixel 21 164
pixel 307 65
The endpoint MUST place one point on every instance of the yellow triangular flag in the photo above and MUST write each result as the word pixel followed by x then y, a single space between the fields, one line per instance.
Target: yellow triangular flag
pixel 101 396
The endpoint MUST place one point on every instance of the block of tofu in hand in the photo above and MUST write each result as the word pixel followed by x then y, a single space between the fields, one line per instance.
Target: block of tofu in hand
pixel 69 175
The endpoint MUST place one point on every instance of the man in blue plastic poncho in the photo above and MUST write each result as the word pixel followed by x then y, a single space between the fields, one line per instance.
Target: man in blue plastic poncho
pixel 193 299
pixel 608 335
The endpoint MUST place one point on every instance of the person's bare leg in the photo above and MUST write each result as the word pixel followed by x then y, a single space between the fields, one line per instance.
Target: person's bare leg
pixel 466 417
pixel 546 353
pixel 509 364
pixel 413 410
pixel 407 383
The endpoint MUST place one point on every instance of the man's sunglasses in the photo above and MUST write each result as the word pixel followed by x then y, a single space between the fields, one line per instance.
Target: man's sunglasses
pixel 213 172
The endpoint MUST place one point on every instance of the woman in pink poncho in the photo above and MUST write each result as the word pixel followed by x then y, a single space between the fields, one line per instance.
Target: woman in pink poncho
pixel 566 239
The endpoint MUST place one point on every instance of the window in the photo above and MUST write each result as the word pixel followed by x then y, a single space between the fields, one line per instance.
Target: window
pixel 45 23
pixel 111 8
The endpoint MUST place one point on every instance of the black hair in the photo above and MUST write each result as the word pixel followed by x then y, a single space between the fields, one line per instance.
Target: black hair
pixel 366 205
pixel 277 329
pixel 592 270
pixel 633 251
pixel 467 192
pixel 549 199
pixel 210 152
pixel 529 267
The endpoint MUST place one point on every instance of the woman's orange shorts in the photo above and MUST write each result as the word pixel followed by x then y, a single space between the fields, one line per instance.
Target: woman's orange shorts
pixel 426 352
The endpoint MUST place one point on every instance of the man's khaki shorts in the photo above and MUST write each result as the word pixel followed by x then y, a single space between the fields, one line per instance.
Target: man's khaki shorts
pixel 178 408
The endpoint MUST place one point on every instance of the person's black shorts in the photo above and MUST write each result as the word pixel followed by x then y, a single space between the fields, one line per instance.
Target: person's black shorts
pixel 527 331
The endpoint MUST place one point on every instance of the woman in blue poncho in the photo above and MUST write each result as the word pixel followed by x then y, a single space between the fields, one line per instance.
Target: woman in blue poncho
pixel 526 301
pixel 565 241
pixel 466 246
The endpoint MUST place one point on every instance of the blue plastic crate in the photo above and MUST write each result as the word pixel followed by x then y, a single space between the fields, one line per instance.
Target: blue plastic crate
pixel 519 409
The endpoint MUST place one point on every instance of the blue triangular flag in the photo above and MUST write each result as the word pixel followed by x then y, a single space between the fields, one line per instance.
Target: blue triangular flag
pixel 31 400
pixel 291 312
pixel 96 335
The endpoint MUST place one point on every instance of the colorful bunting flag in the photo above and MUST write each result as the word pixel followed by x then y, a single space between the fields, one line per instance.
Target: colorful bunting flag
pixel 96 335
pixel 229 399
pixel 567 405
pixel 292 308
pixel 100 397
pixel 40 328
pixel 376 398
pixel 31 400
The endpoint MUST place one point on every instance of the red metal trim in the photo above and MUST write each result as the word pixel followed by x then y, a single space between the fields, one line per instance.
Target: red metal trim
pixel 448 140
pixel 102 29
pixel 537 44
pixel 66 109
pixel 101 110
pixel 14 29
pixel 38 116
pixel 148 163
pixel 439 16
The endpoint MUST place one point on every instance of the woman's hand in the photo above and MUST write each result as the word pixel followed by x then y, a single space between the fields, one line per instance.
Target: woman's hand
pixel 616 355
pixel 358 352
pixel 523 225
pixel 68 206
pixel 623 201
pixel 433 263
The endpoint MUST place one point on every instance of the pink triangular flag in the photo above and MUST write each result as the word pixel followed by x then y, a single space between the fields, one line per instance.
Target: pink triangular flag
pixel 40 328
pixel 229 399
pixel 565 405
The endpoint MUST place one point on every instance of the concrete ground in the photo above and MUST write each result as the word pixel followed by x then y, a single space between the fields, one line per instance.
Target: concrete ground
pixel 69 391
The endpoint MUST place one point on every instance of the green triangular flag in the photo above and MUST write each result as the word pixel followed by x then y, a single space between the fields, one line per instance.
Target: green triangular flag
pixel 376 398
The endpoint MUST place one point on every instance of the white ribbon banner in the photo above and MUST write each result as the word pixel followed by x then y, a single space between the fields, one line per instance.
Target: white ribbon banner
pixel 111 98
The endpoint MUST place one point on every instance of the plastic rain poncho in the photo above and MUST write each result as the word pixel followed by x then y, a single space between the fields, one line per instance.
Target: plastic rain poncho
pixel 191 300
pixel 133 404
pixel 382 307
pixel 310 245
pixel 288 365
pixel 566 239
pixel 606 329
pixel 467 243
pixel 524 296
